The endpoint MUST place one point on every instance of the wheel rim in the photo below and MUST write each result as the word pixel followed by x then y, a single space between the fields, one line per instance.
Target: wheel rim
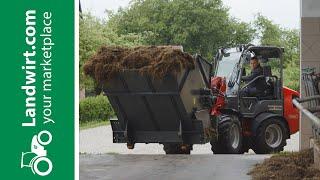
pixel 235 136
pixel 273 135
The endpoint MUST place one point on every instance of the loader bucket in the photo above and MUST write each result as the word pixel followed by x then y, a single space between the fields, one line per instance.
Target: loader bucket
pixel 163 110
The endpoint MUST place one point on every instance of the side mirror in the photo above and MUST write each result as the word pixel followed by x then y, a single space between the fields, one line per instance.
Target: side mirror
pixel 244 72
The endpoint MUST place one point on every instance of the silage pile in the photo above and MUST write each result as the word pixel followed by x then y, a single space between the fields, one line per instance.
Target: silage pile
pixel 289 166
pixel 151 60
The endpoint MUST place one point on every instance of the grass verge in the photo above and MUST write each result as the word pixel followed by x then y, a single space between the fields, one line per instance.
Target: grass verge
pixel 93 124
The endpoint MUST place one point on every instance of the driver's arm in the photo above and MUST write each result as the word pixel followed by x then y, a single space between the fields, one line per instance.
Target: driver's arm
pixel 253 75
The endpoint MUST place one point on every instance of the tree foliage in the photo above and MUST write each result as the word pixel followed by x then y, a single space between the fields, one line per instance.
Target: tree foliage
pixel 270 33
pixel 93 33
pixel 200 26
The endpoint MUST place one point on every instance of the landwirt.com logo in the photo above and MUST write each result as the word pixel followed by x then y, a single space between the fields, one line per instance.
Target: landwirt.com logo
pixel 37 159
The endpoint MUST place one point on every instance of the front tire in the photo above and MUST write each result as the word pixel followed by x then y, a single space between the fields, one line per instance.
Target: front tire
pixel 230 136
pixel 270 137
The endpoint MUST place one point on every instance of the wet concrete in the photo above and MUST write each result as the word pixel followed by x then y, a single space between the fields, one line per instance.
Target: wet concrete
pixel 162 167
pixel 103 160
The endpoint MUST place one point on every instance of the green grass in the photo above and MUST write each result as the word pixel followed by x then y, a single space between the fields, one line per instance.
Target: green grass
pixel 93 124
pixel 112 153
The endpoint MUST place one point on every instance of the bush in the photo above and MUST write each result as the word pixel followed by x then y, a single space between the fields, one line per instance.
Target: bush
pixel 95 108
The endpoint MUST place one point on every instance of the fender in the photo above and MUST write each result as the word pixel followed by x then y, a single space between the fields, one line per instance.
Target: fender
pixel 230 111
pixel 262 117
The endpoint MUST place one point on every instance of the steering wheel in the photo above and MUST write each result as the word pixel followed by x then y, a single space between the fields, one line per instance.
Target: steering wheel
pixel 253 80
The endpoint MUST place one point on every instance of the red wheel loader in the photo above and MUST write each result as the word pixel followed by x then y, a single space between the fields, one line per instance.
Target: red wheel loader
pixel 204 104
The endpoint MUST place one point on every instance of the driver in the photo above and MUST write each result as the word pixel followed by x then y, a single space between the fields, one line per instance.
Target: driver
pixel 258 86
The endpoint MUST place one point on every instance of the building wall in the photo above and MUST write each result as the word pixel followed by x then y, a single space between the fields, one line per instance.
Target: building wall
pixel 310 54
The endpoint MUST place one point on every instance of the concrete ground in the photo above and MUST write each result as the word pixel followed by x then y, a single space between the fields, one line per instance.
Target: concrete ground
pixel 101 159
pixel 163 167
pixel 99 141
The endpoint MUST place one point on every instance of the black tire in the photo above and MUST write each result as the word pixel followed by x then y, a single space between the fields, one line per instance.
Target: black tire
pixel 265 142
pixel 176 149
pixel 226 143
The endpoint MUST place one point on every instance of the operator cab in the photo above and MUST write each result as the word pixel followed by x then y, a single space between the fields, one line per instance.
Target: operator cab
pixel 233 64
pixel 270 99
pixel 270 60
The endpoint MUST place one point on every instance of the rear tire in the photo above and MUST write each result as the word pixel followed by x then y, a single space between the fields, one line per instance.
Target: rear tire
pixel 176 149
pixel 230 136
pixel 270 137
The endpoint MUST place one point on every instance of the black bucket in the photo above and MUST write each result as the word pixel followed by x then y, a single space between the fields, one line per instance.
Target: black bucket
pixel 160 110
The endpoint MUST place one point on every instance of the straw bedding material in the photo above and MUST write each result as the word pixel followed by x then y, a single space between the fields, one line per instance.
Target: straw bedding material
pixel 155 61
pixel 287 166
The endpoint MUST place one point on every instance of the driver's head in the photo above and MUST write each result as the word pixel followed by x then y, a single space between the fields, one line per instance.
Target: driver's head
pixel 254 63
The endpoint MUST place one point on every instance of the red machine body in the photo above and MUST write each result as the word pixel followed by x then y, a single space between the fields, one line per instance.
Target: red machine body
pixel 218 87
pixel 291 113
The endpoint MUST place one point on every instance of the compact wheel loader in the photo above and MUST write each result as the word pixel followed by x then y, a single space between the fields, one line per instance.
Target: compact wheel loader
pixel 205 104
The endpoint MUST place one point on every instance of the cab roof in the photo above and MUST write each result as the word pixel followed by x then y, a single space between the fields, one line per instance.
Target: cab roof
pixel 266 51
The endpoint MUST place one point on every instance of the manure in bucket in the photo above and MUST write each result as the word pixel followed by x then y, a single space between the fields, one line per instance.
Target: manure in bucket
pixel 155 61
